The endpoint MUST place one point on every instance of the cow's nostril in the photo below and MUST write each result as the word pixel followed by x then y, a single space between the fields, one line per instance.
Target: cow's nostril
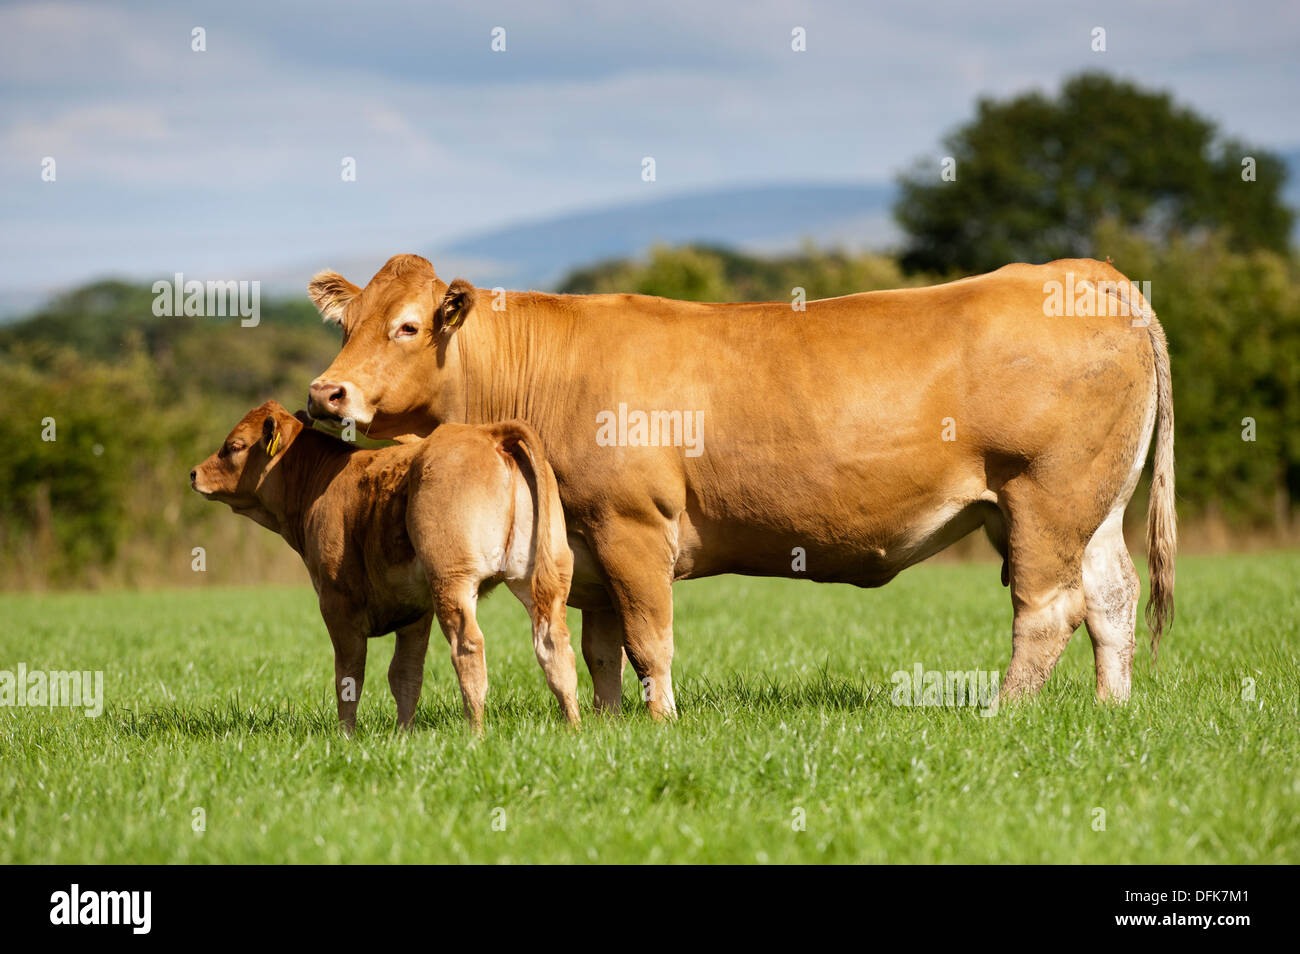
pixel 193 474
pixel 326 395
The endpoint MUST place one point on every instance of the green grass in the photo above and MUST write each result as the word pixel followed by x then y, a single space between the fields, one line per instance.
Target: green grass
pixel 220 699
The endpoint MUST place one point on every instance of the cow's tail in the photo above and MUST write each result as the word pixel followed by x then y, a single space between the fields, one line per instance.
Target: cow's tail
pixel 1162 522
pixel 524 446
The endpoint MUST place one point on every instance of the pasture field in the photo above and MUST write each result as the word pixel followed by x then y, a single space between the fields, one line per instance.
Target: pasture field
pixel 220 699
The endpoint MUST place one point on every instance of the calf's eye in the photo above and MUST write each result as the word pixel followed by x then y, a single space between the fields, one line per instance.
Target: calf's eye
pixel 408 330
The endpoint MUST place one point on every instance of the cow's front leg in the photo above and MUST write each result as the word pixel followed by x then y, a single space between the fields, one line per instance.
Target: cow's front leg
pixel 349 671
pixel 602 648
pixel 638 562
pixel 406 671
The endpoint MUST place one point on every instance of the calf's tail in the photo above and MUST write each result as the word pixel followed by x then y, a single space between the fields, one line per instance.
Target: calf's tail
pixel 524 446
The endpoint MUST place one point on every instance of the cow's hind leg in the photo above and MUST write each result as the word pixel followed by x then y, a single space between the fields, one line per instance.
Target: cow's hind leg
pixel 1045 572
pixel 995 527
pixel 1111 589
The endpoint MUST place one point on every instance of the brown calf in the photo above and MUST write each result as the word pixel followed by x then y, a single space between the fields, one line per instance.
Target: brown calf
pixel 393 537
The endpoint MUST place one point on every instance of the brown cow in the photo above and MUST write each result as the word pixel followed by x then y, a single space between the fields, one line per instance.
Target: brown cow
pixel 395 536
pixel 841 443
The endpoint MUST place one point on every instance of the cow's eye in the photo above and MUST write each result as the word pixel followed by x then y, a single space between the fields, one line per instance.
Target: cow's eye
pixel 237 446
pixel 407 330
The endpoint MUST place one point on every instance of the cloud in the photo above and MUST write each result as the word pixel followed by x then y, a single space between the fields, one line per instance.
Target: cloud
pixel 232 154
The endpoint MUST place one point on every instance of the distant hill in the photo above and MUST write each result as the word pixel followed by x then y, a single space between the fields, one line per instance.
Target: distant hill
pixel 763 219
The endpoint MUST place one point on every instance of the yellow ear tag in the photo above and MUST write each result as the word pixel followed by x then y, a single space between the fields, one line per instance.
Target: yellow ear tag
pixel 274 446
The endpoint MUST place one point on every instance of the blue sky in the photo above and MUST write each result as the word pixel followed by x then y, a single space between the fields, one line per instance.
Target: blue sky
pixel 227 162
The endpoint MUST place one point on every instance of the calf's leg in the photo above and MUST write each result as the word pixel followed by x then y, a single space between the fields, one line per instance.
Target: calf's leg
pixel 349 672
pixel 406 671
pixel 455 603
pixel 552 646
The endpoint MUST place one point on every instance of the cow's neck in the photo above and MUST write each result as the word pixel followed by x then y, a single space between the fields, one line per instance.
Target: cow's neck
pixel 514 364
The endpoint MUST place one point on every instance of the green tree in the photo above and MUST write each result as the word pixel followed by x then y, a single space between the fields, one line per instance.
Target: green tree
pixel 71 453
pixel 1233 323
pixel 135 400
pixel 1034 176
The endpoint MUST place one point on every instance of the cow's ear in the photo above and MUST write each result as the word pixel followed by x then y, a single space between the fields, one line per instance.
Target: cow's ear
pixel 455 306
pixel 330 292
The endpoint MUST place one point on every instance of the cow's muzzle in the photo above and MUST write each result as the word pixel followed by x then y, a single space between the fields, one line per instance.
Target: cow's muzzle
pixel 326 400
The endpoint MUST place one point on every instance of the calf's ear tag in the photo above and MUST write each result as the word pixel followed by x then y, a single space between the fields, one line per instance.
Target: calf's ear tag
pixel 274 445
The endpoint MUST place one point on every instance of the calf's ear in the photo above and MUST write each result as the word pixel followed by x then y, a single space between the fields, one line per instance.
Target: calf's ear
pixel 330 292
pixel 456 304
pixel 280 428
pixel 271 436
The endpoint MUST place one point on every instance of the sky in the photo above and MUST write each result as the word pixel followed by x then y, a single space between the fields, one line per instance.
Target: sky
pixel 226 162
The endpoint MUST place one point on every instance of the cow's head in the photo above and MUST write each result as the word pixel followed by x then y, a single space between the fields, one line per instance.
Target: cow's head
pixel 240 473
pixel 397 372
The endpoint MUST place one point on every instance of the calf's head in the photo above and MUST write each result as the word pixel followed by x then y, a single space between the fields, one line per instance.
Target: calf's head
pixel 397 372
pixel 242 473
